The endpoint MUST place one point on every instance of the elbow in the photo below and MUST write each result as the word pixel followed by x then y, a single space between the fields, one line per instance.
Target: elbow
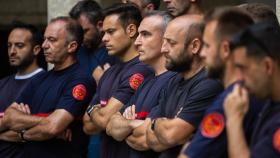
pixel 167 138
pixel 53 132
pixel 90 129
pixel 115 133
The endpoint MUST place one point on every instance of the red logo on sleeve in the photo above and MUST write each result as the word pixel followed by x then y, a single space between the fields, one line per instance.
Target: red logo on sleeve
pixel 212 125
pixel 276 140
pixel 136 80
pixel 79 92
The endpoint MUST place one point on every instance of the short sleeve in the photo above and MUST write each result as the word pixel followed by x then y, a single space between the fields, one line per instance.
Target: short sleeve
pixel 268 145
pixel 76 96
pixel 129 83
pixel 199 99
pixel 207 145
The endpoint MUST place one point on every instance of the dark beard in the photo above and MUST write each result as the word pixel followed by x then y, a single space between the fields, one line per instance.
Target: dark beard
pixel 26 62
pixel 183 63
pixel 216 72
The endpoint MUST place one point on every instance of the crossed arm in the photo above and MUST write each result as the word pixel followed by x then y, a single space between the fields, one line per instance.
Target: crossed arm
pixel 168 133
pixel 100 116
pixel 37 128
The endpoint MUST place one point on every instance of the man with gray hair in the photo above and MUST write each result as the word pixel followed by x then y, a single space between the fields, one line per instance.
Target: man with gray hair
pixel 131 126
pixel 46 115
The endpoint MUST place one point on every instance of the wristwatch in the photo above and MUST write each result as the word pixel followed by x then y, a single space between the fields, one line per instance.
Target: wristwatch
pixel 90 109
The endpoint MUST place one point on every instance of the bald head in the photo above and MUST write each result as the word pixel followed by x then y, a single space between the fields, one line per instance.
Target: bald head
pixel 187 27
pixel 183 42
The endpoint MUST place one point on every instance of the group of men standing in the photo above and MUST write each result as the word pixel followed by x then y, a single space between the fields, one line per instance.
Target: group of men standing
pixel 181 83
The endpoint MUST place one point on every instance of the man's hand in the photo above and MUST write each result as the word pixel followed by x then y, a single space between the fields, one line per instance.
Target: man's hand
pixel 129 113
pixel 236 103
pixel 23 108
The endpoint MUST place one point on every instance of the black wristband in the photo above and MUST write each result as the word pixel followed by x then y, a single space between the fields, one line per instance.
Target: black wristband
pixel 90 109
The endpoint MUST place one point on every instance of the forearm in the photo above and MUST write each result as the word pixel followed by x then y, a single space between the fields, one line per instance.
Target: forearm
pixel 22 121
pixel 89 127
pixel 3 127
pixel 237 145
pixel 137 140
pixel 154 143
pixel 101 116
pixel 168 131
pixel 120 128
pixel 10 136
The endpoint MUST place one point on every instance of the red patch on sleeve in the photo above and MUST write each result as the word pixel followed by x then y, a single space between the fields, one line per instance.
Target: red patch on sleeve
pixel 276 140
pixel 212 125
pixel 79 92
pixel 136 80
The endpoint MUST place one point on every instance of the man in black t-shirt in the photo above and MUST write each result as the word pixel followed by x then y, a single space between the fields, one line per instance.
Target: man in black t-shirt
pixel 182 103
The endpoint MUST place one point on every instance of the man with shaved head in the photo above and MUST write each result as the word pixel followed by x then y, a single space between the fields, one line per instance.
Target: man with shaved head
pixel 186 96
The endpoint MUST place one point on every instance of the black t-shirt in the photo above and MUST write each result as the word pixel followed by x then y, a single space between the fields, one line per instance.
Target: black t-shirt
pixel 120 82
pixel 187 100
pixel 10 88
pixel 70 89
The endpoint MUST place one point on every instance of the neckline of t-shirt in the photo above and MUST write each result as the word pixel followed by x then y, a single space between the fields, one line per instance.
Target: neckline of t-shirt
pixel 23 77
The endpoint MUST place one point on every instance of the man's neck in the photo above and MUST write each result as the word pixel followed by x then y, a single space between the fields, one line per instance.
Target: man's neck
pixel 159 65
pixel 27 70
pixel 194 9
pixel 195 68
pixel 129 54
pixel 66 63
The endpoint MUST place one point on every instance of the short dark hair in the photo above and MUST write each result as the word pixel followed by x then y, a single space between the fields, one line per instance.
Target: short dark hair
pixel 260 12
pixel 73 29
pixel 36 34
pixel 88 8
pixel 156 3
pixel 36 39
pixel 83 6
pixel 260 40
pixel 230 21
pixel 128 13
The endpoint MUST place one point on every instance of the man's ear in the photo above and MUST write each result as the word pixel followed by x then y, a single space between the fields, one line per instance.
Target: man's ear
pixel 131 30
pixel 99 25
pixel 36 49
pixel 72 46
pixel 196 45
pixel 150 7
pixel 224 49
pixel 269 65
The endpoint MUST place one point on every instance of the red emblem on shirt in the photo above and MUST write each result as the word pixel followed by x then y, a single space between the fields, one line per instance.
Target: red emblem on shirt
pixel 135 80
pixel 212 125
pixel 79 92
pixel 276 140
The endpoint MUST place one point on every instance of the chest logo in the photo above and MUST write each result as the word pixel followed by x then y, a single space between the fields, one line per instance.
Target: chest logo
pixel 212 125
pixel 79 92
pixel 136 80
pixel 276 140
